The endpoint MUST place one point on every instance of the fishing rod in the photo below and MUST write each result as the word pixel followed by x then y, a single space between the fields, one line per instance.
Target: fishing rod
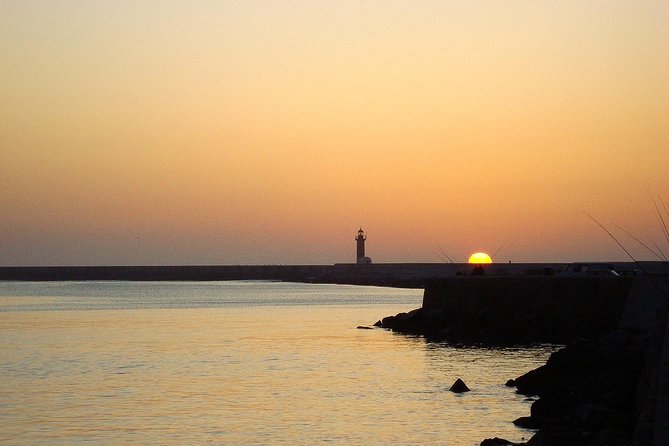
pixel 500 248
pixel 438 255
pixel 636 262
pixel 661 257
pixel 452 259
pixel 663 224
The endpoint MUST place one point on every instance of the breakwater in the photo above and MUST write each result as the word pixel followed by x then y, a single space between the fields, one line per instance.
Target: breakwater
pixel 607 390
pixel 608 386
pixel 414 275
pixel 382 274
pixel 160 273
pixel 389 274
pixel 516 309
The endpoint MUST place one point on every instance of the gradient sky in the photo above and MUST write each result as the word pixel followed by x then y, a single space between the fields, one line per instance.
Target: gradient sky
pixel 263 132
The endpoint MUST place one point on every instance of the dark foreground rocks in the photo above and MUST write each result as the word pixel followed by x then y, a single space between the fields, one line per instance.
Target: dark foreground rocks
pixel 591 393
pixel 601 388
pixel 496 442
pixel 487 327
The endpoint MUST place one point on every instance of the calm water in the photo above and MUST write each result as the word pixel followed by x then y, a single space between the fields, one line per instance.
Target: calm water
pixel 239 363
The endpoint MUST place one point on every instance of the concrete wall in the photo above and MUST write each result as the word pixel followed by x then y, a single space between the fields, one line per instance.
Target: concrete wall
pixel 394 274
pixel 390 274
pixel 647 300
pixel 541 308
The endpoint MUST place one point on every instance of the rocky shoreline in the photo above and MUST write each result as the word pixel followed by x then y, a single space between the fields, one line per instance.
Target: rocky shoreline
pixel 591 392
pixel 599 389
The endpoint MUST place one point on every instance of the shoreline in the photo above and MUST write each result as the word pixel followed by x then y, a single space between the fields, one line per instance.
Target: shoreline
pixel 607 386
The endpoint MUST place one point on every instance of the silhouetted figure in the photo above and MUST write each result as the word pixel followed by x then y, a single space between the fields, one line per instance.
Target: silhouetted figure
pixel 478 271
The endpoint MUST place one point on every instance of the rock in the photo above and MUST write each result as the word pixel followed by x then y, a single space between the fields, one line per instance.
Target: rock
pixel 588 391
pixel 559 437
pixel 414 322
pixel 459 386
pixel 496 442
pixel 534 381
pixel 511 383
pixel 537 439
pixel 594 417
pixel 527 423
pixel 610 437
pixel 363 327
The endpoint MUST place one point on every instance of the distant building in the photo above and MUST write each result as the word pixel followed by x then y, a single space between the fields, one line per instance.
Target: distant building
pixel 360 248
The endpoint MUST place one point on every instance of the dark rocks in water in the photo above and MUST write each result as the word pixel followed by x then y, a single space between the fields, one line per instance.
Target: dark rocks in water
pixel 510 383
pixel 596 391
pixel 364 327
pixel 532 382
pixel 563 437
pixel 496 442
pixel 411 322
pixel 490 327
pixel 459 386
pixel 588 391
pixel 527 423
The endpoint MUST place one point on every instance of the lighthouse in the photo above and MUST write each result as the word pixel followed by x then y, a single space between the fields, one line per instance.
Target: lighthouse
pixel 360 248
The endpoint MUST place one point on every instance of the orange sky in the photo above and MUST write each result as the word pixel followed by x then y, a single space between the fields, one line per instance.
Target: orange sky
pixel 267 132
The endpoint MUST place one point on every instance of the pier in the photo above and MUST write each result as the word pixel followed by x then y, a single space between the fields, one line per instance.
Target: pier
pixel 414 275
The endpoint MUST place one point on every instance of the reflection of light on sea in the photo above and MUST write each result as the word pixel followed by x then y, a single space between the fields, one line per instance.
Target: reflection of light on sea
pixel 298 374
pixel 28 303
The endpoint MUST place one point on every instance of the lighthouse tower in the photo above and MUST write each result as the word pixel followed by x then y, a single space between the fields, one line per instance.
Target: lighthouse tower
pixel 360 248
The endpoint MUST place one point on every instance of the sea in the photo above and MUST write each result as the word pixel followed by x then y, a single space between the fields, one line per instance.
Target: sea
pixel 241 363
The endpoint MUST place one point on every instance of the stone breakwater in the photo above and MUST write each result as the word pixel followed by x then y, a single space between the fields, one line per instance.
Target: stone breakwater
pixel 592 392
pixel 608 386
pixel 411 275
pixel 512 310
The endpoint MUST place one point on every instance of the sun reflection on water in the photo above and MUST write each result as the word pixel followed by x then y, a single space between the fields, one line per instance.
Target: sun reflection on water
pixel 247 375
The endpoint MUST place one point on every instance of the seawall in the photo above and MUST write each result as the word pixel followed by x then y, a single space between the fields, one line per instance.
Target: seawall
pixel 536 309
pixel 516 309
pixel 388 274
pixel 533 304
pixel 176 273
pixel 609 384
pixel 385 274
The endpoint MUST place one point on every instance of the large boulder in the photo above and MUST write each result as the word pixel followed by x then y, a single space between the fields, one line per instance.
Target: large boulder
pixel 459 386
pixel 496 442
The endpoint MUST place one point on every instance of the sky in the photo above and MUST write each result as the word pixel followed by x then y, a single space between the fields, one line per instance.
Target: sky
pixel 267 132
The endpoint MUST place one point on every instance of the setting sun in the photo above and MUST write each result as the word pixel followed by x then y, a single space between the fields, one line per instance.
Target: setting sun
pixel 480 257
